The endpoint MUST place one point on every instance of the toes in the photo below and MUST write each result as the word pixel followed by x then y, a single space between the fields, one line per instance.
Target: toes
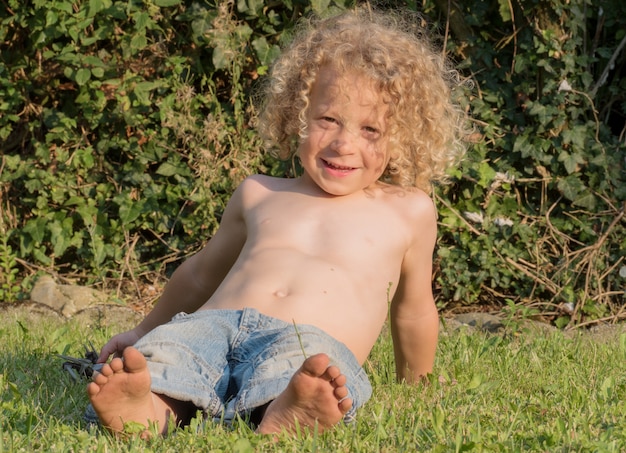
pixel 339 381
pixel 332 373
pixel 134 360
pixel 106 371
pixel 345 404
pixel 316 365
pixel 340 393
pixel 116 365
pixel 93 389
pixel 99 378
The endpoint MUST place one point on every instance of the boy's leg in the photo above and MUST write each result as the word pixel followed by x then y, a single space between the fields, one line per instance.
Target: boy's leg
pixel 279 387
pixel 120 393
pixel 316 396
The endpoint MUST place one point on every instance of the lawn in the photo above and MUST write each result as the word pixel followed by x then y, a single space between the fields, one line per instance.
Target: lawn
pixel 520 389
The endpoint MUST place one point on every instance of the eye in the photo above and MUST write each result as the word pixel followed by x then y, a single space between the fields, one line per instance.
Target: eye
pixel 371 132
pixel 327 122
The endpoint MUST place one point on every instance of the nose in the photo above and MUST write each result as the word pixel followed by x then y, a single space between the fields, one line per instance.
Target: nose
pixel 343 141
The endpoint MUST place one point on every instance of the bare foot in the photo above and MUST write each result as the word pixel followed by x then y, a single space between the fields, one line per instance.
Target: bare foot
pixel 315 394
pixel 120 393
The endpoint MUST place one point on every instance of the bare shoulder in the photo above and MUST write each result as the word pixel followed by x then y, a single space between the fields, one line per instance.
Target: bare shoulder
pixel 261 184
pixel 413 205
pixel 254 189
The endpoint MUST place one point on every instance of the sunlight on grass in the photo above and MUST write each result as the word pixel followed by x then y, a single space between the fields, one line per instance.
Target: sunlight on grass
pixel 490 392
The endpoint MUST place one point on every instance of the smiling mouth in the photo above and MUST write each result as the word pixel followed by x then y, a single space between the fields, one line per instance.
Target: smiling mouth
pixel 337 167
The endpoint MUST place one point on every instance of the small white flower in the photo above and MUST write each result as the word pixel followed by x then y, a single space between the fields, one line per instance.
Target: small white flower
pixel 565 86
pixel 502 221
pixel 501 178
pixel 476 217
pixel 568 307
pixel 504 177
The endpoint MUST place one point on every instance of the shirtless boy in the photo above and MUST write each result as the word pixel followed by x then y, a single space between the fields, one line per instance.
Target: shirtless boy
pixel 274 317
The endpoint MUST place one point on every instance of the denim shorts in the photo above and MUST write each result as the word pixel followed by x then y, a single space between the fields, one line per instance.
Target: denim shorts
pixel 230 362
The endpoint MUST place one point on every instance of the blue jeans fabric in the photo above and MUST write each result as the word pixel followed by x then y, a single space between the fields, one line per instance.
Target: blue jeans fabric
pixel 230 362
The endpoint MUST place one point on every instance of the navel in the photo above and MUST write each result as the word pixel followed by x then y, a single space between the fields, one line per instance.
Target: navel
pixel 281 293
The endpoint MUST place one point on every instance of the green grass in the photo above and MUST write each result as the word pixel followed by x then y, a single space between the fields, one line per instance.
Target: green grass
pixel 512 391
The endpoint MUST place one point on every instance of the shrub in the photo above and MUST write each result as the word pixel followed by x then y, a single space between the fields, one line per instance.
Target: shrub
pixel 537 213
pixel 125 126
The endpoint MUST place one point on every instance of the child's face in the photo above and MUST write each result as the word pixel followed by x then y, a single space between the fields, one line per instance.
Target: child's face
pixel 346 147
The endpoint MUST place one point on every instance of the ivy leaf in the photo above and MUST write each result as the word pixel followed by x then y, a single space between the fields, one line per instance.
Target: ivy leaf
pixel 60 236
pixel 254 7
pixel 95 6
pixel 486 174
pixel 319 6
pixel 168 169
pixel 138 42
pixel 220 59
pixel 88 214
pixel 586 200
pixel 264 51
pixel 539 110
pixel 576 136
pixel 571 161
pixel 505 10
pixel 166 3
pixel 571 186
pixel 98 249
pixel 40 255
pixel 130 211
pixel 12 162
pixel 562 321
pixel 142 20
pixel 36 228
pixel 522 146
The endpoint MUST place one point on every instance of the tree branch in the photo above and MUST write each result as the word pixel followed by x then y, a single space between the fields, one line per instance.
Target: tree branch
pixel 602 80
pixel 462 32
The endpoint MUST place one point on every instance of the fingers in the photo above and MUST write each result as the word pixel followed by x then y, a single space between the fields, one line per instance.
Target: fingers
pixel 104 356
pixel 108 350
pixel 116 345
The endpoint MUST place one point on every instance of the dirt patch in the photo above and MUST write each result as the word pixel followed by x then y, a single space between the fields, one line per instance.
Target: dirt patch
pixel 102 315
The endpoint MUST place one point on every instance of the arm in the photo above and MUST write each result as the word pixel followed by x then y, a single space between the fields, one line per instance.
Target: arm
pixel 414 317
pixel 193 283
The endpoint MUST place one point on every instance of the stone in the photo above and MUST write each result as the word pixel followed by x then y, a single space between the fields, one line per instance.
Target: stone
pixel 65 299
pixel 30 312
pixel 483 321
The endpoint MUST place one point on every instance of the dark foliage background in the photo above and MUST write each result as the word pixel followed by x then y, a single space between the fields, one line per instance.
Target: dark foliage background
pixel 125 126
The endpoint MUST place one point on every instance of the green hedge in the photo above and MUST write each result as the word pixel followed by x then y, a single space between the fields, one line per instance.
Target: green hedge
pixel 537 214
pixel 125 126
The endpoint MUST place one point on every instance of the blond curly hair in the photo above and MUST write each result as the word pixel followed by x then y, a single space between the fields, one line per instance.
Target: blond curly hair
pixel 426 126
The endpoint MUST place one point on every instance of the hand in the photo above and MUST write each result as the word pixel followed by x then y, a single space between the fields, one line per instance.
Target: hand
pixel 117 344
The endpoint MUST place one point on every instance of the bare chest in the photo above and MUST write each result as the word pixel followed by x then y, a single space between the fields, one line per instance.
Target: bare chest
pixel 358 230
